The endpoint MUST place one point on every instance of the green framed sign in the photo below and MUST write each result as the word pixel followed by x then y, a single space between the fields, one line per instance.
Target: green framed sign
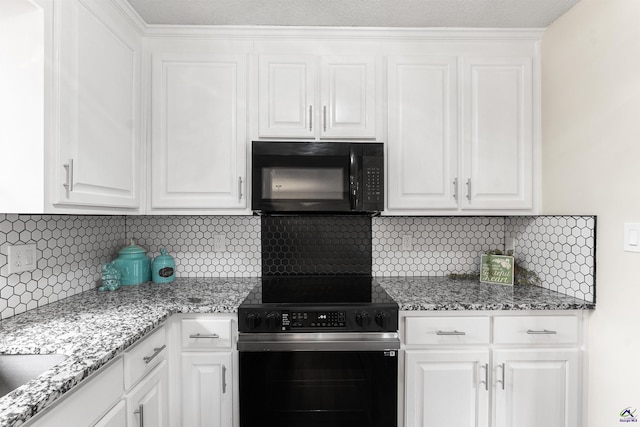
pixel 497 269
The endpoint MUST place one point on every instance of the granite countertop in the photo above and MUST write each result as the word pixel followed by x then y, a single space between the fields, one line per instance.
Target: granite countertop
pixel 94 327
pixel 441 293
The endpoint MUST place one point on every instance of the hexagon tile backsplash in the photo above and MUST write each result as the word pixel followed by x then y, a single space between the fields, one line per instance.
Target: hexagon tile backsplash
pixel 190 240
pixel 71 249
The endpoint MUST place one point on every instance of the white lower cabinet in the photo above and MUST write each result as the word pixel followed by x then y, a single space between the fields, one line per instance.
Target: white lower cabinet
pixel 206 389
pixel 131 391
pixel 206 376
pixel 147 402
pixel 493 370
pixel 89 402
pixel 116 417
pixel 447 388
pixel 534 388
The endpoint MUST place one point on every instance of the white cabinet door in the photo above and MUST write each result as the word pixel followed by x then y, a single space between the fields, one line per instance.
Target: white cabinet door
pixel 97 161
pixel 207 390
pixel 297 101
pixel 423 137
pixel 497 111
pixel 446 388
pixel 116 417
pixel 347 96
pixel 198 131
pixel 287 96
pixel 147 403
pixel 534 388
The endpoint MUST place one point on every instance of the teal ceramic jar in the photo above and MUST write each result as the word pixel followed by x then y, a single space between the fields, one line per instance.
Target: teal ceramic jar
pixel 163 269
pixel 134 265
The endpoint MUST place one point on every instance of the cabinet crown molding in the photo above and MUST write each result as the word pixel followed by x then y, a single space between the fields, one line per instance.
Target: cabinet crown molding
pixel 342 33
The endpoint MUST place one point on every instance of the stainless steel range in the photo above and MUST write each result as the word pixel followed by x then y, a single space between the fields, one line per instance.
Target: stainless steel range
pixel 318 351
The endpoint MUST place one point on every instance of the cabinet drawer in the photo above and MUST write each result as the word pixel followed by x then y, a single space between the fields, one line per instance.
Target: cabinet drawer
pixel 535 330
pixel 447 330
pixel 206 334
pixel 139 360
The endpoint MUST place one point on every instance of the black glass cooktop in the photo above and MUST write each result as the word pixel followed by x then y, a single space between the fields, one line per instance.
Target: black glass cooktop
pixel 318 290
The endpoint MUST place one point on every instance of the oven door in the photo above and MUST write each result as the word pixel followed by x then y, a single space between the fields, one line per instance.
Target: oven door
pixel 328 382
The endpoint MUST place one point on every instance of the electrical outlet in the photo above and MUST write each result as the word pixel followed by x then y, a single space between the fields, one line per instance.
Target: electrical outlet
pixel 509 244
pixel 219 243
pixel 407 242
pixel 22 258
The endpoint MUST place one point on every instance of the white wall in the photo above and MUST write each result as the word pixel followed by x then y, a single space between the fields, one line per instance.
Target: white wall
pixel 591 165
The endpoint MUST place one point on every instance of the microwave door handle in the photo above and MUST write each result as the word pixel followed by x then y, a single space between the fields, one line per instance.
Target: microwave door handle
pixel 352 193
pixel 356 195
pixel 353 181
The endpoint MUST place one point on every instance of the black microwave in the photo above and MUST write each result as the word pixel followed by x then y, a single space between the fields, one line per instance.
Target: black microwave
pixel 317 177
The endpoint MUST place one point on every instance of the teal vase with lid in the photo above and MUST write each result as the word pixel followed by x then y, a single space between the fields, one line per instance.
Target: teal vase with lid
pixel 164 268
pixel 133 264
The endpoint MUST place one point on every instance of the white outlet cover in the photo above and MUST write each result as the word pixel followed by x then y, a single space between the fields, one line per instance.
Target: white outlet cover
pixel 21 258
pixel 509 244
pixel 407 242
pixel 219 243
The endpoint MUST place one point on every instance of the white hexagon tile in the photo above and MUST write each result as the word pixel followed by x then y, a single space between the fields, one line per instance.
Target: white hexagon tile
pixel 561 250
pixel 439 245
pixel 190 240
pixel 70 251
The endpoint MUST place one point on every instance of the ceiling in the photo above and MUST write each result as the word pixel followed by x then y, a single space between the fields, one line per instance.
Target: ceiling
pixel 355 13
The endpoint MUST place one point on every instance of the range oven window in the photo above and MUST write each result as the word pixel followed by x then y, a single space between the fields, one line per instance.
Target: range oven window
pixel 318 388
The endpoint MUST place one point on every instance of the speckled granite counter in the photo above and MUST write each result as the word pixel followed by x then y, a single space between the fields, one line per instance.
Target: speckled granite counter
pixel 441 293
pixel 93 327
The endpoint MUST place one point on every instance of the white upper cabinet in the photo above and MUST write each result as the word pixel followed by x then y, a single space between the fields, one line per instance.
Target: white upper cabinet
pixel 461 135
pixel 96 161
pixel 71 105
pixel 347 96
pixel 307 96
pixel 198 144
pixel 497 106
pixel 287 96
pixel 422 144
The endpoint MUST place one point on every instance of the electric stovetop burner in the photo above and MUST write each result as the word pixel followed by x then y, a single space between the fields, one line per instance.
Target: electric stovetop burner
pixel 318 303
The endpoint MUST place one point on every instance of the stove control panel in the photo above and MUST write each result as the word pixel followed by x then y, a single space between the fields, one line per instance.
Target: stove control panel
pixel 274 320
pixel 316 319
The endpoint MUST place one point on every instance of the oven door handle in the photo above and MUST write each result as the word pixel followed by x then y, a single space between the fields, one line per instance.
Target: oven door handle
pixel 346 341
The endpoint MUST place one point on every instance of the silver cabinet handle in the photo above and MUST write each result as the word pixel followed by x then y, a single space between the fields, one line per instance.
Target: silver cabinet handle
pixel 224 379
pixel 469 189
pixel 486 376
pixel 501 381
pixel 204 336
pixel 324 118
pixel 542 332
pixel 310 117
pixel 69 182
pixel 239 188
pixel 140 413
pixel 454 332
pixel 455 189
pixel 156 352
